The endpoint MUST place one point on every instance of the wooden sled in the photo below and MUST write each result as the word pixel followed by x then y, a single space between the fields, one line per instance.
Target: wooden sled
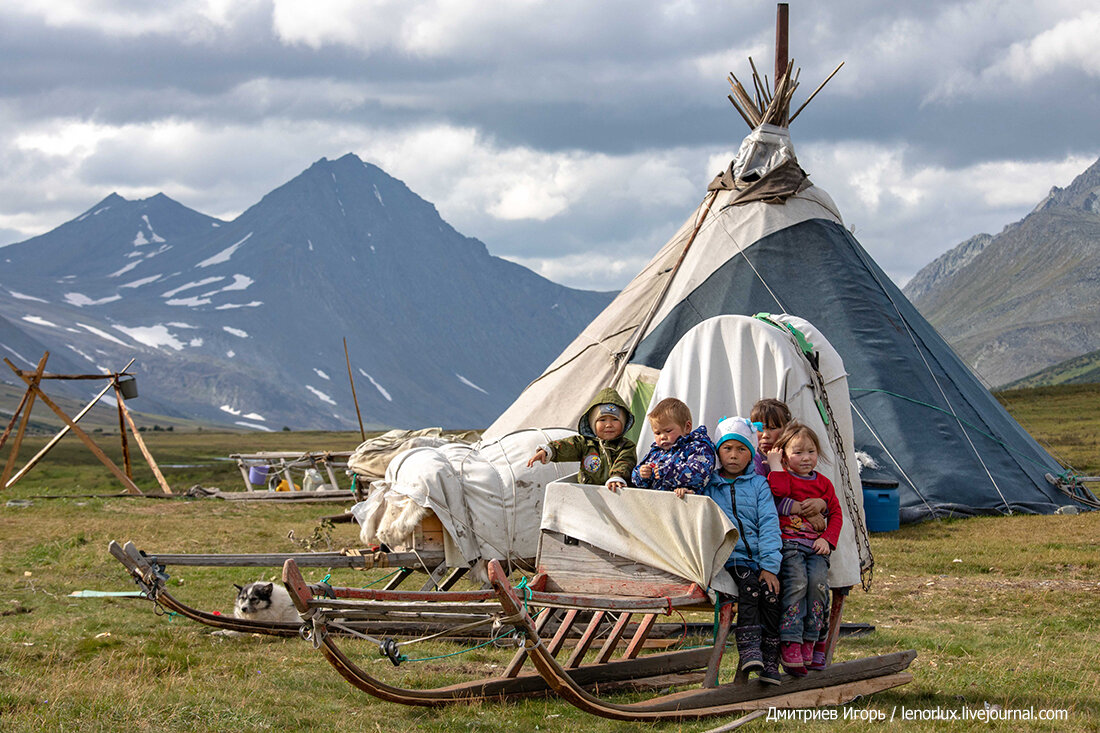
pixel 324 612
pixel 149 571
pixel 569 566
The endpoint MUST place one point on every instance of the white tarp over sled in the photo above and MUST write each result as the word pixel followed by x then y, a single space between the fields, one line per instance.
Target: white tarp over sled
pixel 487 499
pixel 722 366
pixel 690 537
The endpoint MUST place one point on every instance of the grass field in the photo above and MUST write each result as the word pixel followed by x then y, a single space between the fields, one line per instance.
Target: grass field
pixel 1003 612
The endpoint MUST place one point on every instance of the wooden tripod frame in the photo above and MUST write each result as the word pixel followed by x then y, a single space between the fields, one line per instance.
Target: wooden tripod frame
pixel 33 381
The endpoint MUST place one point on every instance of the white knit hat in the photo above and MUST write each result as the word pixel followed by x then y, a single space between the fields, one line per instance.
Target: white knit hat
pixel 739 429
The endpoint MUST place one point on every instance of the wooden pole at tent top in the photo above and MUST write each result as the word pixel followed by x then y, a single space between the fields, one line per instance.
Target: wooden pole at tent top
pixel 781 36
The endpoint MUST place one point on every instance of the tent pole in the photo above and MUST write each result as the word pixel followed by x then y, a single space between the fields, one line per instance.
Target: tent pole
pixel 637 337
pixel 353 397
pixel 781 36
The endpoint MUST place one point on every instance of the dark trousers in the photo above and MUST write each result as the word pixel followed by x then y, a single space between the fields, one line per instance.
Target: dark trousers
pixel 756 604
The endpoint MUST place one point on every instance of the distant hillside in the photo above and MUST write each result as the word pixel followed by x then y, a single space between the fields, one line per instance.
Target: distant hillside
pixel 1017 302
pixel 1084 369
pixel 242 322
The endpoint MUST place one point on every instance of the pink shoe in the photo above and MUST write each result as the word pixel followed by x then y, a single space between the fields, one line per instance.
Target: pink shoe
pixel 790 654
pixel 807 652
pixel 820 649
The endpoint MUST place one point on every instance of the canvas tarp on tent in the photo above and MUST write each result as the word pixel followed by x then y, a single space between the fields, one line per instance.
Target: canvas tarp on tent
pixel 917 409
pixel 722 366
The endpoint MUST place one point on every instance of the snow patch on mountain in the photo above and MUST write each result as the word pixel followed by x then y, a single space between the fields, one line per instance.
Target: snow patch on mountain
pixel 19 356
pixel 320 374
pixel 377 386
pixel 235 332
pixel 195 342
pixel 321 395
pixel 240 282
pixel 192 284
pixel 81 353
pixel 191 302
pixel 231 353
pixel 125 269
pixel 227 306
pixel 468 383
pixel 244 424
pixel 103 334
pixel 230 410
pixel 224 255
pixel 80 300
pixel 378 195
pixel 152 336
pixel 39 321
pixel 142 281
pixel 23 296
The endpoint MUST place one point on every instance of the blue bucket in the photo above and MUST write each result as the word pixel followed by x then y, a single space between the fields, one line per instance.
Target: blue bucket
pixel 881 506
pixel 257 475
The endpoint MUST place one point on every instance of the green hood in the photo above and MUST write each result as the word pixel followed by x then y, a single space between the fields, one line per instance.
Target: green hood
pixel 607 396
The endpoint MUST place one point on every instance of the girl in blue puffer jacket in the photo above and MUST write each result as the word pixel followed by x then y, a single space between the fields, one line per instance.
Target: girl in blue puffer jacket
pixel 746 499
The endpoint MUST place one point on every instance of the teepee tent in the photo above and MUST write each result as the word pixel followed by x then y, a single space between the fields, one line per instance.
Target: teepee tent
pixel 765 239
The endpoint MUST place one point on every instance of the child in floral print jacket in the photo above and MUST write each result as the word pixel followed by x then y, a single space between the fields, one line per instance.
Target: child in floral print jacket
pixel 681 459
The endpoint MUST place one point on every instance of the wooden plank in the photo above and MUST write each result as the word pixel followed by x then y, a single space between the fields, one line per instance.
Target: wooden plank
pixel 586 640
pixel 640 635
pixel 453 577
pixel 725 621
pixel 366 559
pixel 122 434
pixel 296 586
pixel 564 627
pixel 56 439
pixel 613 638
pixel 144 450
pixel 29 399
pixel 14 419
pixel 835 612
pixel 582 567
pixel 398 579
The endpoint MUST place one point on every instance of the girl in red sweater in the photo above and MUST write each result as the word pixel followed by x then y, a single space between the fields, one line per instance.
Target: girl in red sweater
pixel 803 577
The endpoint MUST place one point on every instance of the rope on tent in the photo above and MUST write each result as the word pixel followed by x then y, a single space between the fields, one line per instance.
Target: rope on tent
pixel 999 442
pixel 897 464
pixel 859 528
pixel 931 373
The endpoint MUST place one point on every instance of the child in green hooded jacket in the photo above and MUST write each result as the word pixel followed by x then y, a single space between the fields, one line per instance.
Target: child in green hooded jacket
pixel 606 456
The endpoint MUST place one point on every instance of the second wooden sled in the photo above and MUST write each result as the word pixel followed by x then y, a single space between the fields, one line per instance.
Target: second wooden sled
pixel 149 572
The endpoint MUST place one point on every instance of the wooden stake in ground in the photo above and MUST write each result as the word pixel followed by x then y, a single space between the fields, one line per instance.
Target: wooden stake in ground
pixel 138 439
pixel 27 403
pixel 354 399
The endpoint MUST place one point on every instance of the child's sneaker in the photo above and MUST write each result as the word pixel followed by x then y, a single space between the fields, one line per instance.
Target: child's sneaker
pixel 791 656
pixel 807 653
pixel 820 649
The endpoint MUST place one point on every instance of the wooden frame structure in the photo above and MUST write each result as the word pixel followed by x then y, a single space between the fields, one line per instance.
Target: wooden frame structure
pixel 33 380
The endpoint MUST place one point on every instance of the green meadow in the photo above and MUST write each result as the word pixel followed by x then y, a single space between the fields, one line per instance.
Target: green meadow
pixel 1003 611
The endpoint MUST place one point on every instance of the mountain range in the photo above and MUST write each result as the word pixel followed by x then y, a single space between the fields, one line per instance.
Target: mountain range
pixel 242 322
pixel 1014 303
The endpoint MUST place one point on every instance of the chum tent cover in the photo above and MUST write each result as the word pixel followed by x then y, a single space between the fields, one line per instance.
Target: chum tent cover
pixel 765 239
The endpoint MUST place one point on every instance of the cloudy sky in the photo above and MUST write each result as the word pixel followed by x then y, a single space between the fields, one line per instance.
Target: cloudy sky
pixel 571 136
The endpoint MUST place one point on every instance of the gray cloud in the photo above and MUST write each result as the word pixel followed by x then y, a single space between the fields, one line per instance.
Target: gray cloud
pixel 548 130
